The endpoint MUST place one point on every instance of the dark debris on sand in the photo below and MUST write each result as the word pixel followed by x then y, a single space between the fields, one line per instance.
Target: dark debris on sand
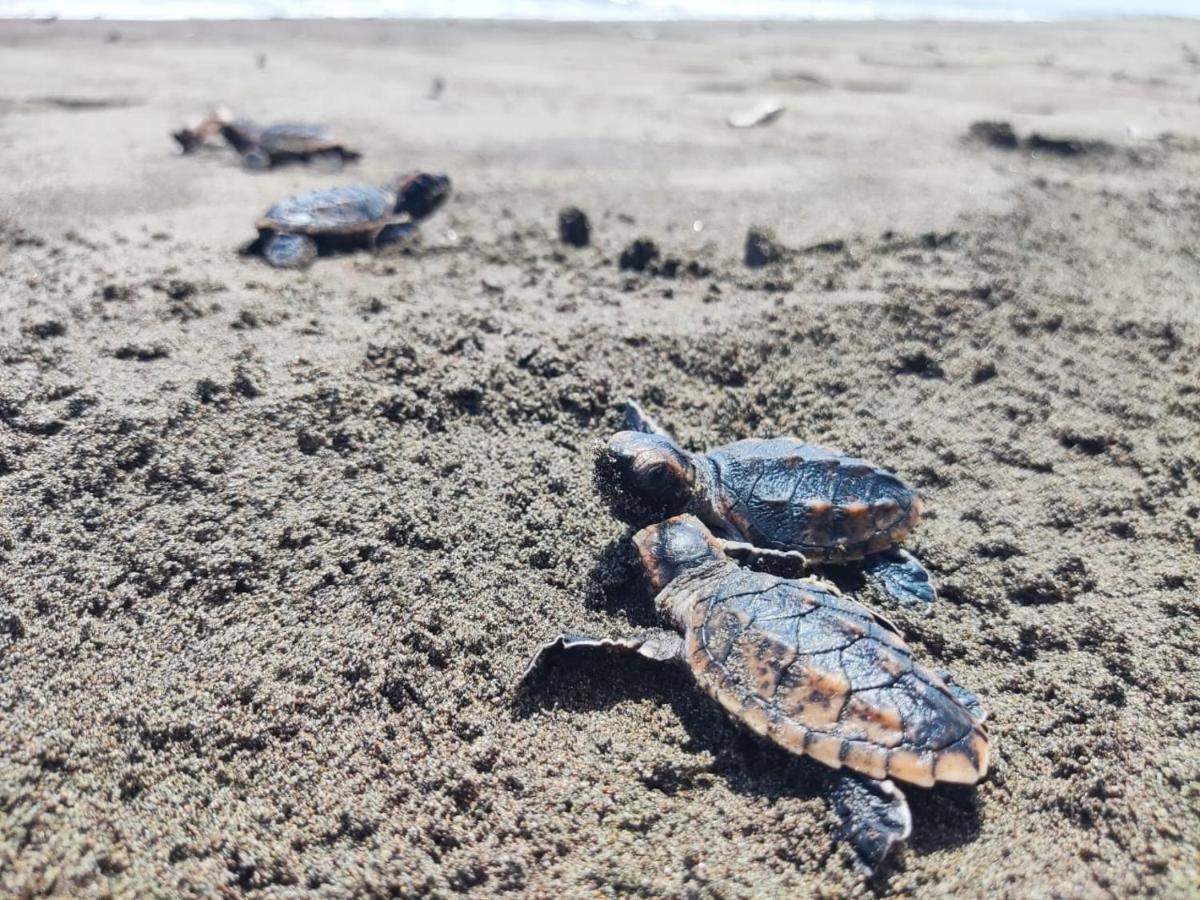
pixel 573 227
pixel 638 256
pixel 762 248
pixel 1002 136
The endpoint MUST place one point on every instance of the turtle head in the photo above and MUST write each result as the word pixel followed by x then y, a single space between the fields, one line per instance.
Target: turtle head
pixel 421 194
pixel 670 548
pixel 644 477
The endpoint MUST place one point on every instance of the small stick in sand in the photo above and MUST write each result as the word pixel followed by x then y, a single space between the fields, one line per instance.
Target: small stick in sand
pixel 763 113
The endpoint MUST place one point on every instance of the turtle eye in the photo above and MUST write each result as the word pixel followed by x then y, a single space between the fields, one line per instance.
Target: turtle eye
pixel 650 466
pixel 662 469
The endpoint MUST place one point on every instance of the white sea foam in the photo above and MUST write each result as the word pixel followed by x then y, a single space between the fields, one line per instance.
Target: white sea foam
pixel 601 10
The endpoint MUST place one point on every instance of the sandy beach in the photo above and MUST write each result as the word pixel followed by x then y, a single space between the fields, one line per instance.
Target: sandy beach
pixel 275 547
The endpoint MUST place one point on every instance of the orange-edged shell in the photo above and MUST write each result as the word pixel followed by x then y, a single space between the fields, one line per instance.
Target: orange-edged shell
pixel 816 673
pixel 346 209
pixel 783 494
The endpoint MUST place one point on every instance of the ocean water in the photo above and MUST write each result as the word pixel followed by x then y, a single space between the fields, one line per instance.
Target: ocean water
pixel 603 10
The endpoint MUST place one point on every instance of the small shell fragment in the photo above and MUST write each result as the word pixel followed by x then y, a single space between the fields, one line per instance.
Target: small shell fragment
pixel 762 113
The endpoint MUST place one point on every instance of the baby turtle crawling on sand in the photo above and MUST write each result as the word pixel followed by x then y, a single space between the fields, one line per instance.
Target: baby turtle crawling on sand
pixel 294 231
pixel 778 497
pixel 810 670
pixel 264 148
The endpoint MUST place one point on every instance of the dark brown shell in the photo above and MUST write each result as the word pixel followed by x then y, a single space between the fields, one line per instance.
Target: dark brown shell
pixel 783 494
pixel 347 209
pixel 818 674
pixel 298 139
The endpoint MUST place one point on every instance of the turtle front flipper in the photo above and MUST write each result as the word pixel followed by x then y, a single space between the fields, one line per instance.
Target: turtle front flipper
pixel 873 816
pixel 744 550
pixel 901 577
pixel 658 645
pixel 289 251
pixel 396 233
pixel 637 419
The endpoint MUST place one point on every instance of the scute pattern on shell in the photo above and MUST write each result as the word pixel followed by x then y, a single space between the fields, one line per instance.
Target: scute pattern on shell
pixel 291 137
pixel 818 674
pixel 787 495
pixel 329 209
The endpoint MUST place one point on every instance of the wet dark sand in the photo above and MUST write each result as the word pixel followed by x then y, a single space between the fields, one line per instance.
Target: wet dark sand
pixel 275 547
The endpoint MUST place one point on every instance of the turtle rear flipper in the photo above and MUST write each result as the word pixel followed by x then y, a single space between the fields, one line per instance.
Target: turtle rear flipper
pixel 967 698
pixel 873 816
pixel 658 645
pixel 901 577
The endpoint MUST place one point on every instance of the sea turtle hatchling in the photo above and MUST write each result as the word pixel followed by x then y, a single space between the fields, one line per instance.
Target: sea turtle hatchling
pixel 809 669
pixel 266 147
pixel 776 497
pixel 295 230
